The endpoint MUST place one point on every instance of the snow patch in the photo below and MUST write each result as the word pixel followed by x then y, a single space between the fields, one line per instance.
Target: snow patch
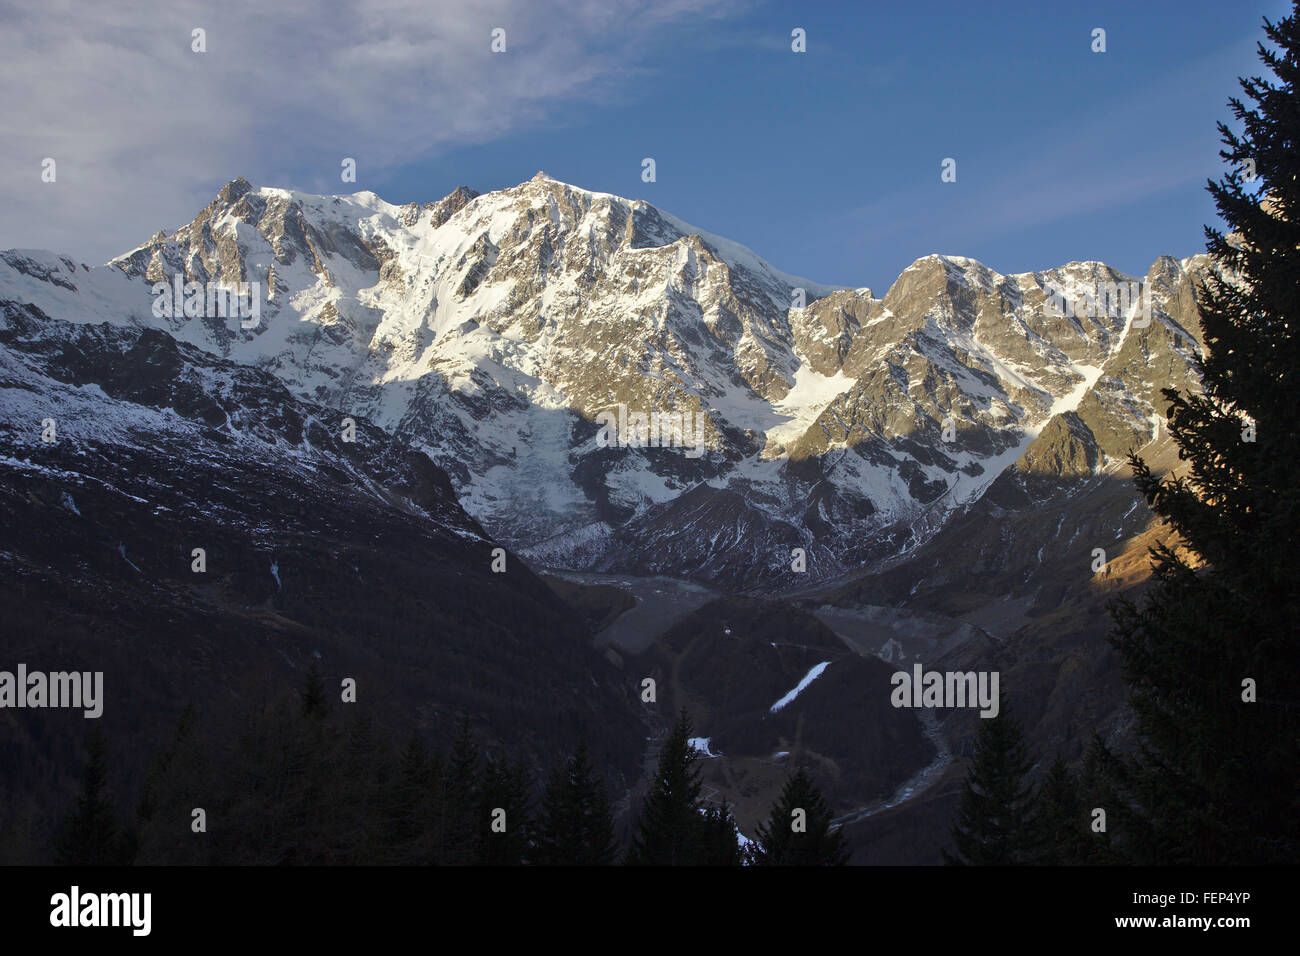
pixel 701 745
pixel 808 678
pixel 121 549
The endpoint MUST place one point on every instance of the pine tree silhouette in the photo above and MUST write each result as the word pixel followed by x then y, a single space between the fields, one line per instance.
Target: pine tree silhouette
pixel 791 838
pixel 457 826
pixel 91 835
pixel 409 805
pixel 719 844
pixel 149 795
pixel 993 823
pixel 504 823
pixel 669 832
pixel 1058 820
pixel 576 825
pixel 1103 781
pixel 162 829
pixel 1218 777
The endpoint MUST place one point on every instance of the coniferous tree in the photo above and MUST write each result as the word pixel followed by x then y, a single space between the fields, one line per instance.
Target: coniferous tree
pixel 789 838
pixel 149 794
pixel 992 826
pixel 670 831
pixel 91 835
pixel 576 824
pixel 719 839
pixel 1104 782
pixel 410 805
pixel 1058 820
pixel 504 819
pixel 178 776
pixel 1218 774
pixel 280 806
pixel 456 827
pixel 359 790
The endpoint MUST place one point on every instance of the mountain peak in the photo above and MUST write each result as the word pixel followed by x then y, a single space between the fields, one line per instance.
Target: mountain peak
pixel 480 328
pixel 234 190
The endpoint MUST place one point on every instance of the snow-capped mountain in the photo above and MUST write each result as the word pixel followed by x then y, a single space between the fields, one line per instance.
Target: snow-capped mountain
pixel 503 333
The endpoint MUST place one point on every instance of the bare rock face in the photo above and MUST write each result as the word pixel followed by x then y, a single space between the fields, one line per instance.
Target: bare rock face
pixel 499 334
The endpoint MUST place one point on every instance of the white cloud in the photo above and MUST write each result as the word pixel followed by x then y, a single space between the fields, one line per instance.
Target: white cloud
pixel 144 131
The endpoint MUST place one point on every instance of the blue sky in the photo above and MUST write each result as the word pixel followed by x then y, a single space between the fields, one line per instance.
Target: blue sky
pixel 826 163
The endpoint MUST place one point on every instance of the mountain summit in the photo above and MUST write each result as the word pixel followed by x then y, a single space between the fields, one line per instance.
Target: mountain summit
pixel 501 334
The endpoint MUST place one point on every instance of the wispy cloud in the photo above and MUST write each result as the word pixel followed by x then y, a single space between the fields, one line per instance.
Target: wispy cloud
pixel 142 128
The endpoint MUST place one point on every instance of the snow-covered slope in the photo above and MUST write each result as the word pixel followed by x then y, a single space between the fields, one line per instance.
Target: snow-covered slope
pixel 493 331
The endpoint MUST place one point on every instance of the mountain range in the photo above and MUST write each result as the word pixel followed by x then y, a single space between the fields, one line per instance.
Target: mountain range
pixel 492 331
pixel 414 422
